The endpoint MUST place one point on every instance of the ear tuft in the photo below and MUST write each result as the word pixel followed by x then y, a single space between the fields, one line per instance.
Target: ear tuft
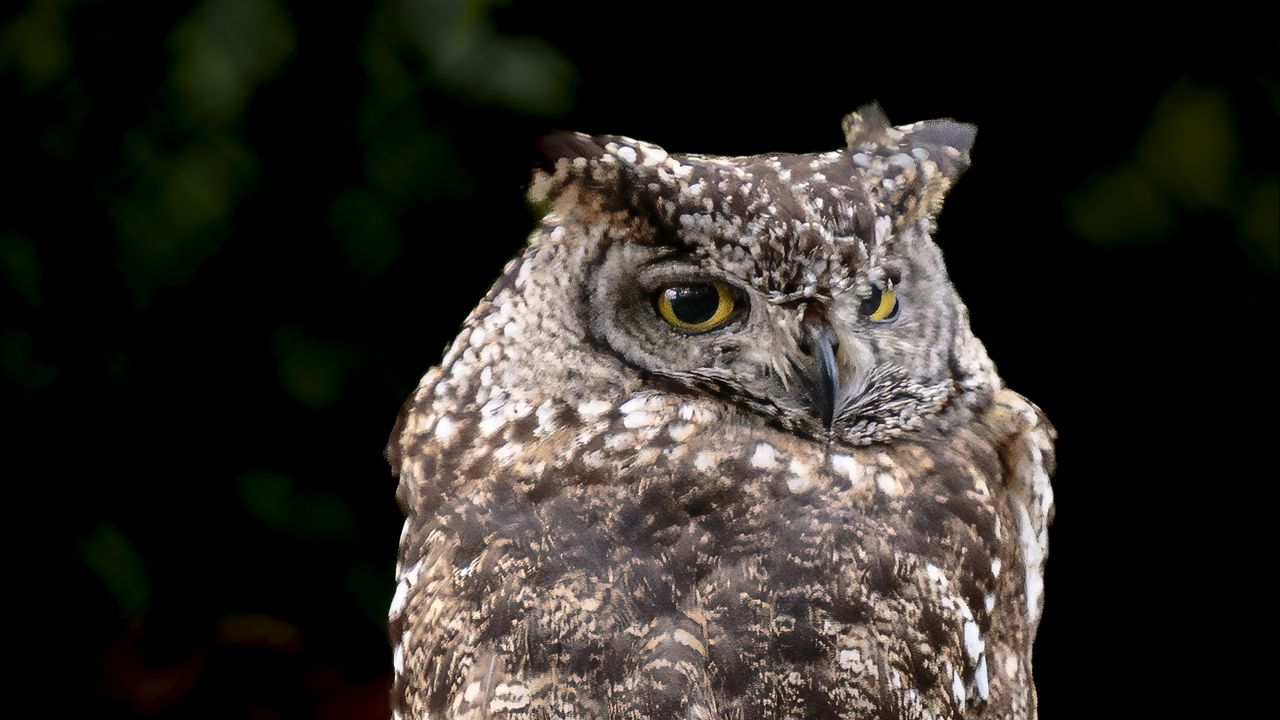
pixel 865 125
pixel 566 161
pixel 945 133
pixel 566 146
pixel 908 169
pixel 608 176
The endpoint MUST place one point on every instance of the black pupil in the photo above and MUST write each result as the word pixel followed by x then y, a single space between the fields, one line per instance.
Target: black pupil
pixel 693 304
pixel 871 304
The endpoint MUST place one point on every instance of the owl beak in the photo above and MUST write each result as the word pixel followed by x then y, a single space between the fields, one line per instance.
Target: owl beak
pixel 823 375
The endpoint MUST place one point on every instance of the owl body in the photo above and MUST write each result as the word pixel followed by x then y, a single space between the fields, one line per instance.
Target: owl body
pixel 792 508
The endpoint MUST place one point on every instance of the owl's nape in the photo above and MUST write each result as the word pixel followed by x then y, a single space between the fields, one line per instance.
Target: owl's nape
pixel 720 444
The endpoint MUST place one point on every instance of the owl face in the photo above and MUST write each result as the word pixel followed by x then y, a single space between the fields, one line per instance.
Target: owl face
pixel 804 288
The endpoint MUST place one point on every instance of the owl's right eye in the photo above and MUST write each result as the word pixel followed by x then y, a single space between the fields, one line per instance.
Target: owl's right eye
pixel 696 308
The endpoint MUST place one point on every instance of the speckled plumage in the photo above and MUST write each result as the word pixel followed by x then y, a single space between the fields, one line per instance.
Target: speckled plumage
pixel 609 518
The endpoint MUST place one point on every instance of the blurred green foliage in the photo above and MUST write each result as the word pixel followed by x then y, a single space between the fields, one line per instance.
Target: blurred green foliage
pixel 216 192
pixel 36 44
pixel 222 52
pixel 118 565
pixel 306 514
pixel 21 267
pixel 1186 162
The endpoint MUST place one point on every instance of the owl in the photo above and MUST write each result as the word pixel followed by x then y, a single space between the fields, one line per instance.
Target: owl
pixel 720 445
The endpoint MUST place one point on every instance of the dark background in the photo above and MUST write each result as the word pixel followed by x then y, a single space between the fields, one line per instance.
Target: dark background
pixel 235 233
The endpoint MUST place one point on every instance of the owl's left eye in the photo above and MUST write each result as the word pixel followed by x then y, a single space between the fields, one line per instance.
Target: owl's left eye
pixel 696 308
pixel 882 306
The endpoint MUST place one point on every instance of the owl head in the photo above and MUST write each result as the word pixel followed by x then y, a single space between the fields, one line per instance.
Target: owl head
pixel 801 288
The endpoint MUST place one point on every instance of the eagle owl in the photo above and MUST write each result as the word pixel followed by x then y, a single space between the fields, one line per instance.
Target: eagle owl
pixel 720 445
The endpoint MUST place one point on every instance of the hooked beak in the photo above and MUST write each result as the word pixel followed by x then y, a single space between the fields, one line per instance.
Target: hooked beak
pixel 822 374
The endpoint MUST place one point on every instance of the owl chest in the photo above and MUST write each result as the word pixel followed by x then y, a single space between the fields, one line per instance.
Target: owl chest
pixel 656 513
pixel 607 540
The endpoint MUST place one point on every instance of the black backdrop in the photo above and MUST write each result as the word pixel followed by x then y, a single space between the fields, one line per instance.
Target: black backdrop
pixel 235 233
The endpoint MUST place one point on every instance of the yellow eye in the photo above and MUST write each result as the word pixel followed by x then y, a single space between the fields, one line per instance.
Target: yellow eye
pixel 696 308
pixel 882 305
